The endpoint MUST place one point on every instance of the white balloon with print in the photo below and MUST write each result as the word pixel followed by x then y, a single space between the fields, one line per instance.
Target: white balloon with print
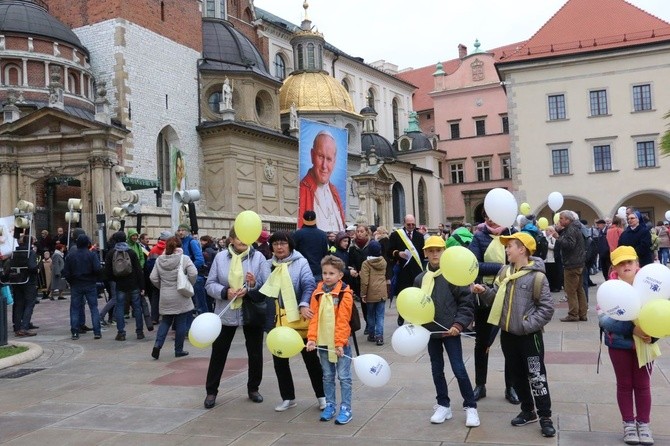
pixel 652 282
pixel 410 340
pixel 618 300
pixel 372 370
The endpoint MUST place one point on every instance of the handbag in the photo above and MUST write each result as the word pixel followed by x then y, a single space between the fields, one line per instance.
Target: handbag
pixel 300 325
pixel 254 309
pixel 184 286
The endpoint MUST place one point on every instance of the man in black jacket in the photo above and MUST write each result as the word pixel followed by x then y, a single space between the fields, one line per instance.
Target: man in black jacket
pixel 82 270
pixel 312 243
pixel 572 246
pixel 24 288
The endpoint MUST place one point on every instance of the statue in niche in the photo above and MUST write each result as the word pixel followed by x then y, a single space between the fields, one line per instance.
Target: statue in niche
pixel 227 95
pixel 293 117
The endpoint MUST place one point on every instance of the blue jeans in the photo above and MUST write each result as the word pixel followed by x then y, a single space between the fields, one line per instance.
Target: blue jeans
pixel 137 310
pixel 375 322
pixel 78 295
pixel 200 296
pixel 664 255
pixel 182 322
pixel 343 369
pixel 452 345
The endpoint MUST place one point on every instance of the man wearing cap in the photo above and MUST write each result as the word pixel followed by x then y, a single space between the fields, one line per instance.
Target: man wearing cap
pixel 604 261
pixel 192 248
pixel 572 245
pixel 316 191
pixel 311 242
pixel 521 305
pixel 406 250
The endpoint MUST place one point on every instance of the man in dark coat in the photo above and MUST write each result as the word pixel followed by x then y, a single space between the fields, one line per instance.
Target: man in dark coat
pixel 82 271
pixel 311 242
pixel 573 252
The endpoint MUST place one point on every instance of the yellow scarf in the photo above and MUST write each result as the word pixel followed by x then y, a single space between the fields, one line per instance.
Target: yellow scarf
pixel 646 353
pixel 496 308
pixel 280 284
pixel 236 274
pixel 495 253
pixel 428 281
pixel 326 332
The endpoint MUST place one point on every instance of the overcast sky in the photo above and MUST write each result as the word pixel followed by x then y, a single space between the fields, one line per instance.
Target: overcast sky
pixel 417 33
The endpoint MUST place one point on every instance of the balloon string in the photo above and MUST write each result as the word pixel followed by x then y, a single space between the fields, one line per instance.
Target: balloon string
pixel 232 300
pixel 460 334
pixel 329 350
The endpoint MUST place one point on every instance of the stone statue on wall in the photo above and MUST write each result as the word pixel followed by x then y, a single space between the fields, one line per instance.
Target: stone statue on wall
pixel 227 95
pixel 293 117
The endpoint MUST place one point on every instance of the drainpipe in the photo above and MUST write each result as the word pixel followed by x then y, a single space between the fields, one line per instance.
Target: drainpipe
pixel 411 173
pixel 332 65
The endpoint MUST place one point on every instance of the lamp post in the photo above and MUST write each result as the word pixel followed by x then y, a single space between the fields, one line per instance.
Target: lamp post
pixel 188 198
pixel 71 216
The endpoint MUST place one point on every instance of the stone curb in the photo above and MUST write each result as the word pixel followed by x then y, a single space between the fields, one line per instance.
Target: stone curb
pixel 34 352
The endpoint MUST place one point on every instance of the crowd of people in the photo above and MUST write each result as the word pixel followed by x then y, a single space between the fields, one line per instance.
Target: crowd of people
pixel 309 280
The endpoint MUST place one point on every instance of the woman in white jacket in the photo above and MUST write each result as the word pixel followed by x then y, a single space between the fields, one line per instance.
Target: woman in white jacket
pixel 173 307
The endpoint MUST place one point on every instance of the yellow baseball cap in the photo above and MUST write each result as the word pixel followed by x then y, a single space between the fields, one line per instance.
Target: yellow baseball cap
pixel 524 237
pixel 434 241
pixel 623 253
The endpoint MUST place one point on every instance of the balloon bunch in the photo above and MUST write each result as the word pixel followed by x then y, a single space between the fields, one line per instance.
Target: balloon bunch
pixel 646 301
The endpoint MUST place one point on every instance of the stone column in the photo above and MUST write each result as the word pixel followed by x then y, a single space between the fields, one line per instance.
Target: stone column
pixel 8 186
pixel 101 166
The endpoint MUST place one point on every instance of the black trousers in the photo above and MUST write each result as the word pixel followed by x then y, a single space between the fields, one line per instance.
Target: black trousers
pixel 525 356
pixel 483 334
pixel 253 337
pixel 285 379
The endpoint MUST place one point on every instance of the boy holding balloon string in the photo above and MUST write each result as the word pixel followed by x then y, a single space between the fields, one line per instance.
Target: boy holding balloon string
pixel 454 310
pixel 626 341
pixel 329 331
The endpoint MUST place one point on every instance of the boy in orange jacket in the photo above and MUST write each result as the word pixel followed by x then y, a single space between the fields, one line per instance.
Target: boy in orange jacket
pixel 329 329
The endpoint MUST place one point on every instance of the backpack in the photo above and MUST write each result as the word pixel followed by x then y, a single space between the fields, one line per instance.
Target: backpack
pixel 655 241
pixel 541 247
pixel 122 266
pixel 591 250
pixel 355 319
pixel 537 281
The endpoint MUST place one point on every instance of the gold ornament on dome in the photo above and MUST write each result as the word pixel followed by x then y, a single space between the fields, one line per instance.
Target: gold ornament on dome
pixel 312 91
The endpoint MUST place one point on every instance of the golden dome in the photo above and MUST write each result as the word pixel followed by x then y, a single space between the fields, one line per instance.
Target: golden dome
pixel 314 91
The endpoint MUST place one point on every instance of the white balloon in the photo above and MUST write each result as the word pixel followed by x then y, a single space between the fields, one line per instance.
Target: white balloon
pixel 652 282
pixel 621 212
pixel 555 201
pixel 372 370
pixel 618 300
pixel 501 206
pixel 206 328
pixel 410 340
pixel 667 215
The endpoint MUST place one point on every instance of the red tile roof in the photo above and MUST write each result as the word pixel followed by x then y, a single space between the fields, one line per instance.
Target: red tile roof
pixel 593 25
pixel 423 77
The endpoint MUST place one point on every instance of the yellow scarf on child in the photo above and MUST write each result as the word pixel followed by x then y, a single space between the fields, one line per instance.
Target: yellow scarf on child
pixel 236 274
pixel 646 353
pixel 280 283
pixel 326 331
pixel 496 308
pixel 428 281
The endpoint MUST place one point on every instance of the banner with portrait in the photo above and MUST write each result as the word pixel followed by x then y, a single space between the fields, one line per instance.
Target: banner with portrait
pixel 7 240
pixel 178 169
pixel 323 174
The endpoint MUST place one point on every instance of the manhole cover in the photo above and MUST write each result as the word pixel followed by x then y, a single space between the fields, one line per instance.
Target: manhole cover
pixel 19 373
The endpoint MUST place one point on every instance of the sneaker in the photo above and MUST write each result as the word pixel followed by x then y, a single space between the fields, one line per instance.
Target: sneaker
pixel 547 427
pixel 98 336
pixel 371 338
pixel 120 337
pixel 644 433
pixel 75 336
pixel 630 435
pixel 104 323
pixel 441 413
pixel 140 335
pixel 344 416
pixel 471 417
pixel 328 413
pixel 322 402
pixel 285 405
pixel 524 418
pixel 380 340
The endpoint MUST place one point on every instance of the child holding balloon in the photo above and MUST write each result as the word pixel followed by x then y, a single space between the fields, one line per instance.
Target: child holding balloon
pixel 454 310
pixel 331 304
pixel 633 382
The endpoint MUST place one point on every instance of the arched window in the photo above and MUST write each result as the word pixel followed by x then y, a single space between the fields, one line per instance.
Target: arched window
pixel 371 98
pixel 72 83
pixel 345 84
pixel 301 57
pixel 398 193
pixel 280 67
pixel 214 100
pixel 310 56
pixel 12 75
pixel 167 139
pixel 396 124
pixel 422 200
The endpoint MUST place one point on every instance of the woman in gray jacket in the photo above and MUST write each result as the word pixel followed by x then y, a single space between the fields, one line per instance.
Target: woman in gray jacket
pixel 173 307
pixel 521 309
pixel 235 275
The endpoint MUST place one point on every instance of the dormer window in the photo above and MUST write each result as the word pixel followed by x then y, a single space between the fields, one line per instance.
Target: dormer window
pixel 216 9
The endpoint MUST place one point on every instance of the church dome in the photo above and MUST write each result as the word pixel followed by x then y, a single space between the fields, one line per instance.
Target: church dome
pixel 26 17
pixel 383 148
pixel 226 49
pixel 314 91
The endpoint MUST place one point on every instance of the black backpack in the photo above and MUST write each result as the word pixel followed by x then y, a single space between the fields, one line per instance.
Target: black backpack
pixel 541 247
pixel 355 319
pixel 122 266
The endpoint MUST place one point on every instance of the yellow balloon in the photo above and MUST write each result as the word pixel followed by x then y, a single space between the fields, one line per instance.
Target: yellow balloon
pixel 655 318
pixel 525 208
pixel 459 266
pixel 542 223
pixel 248 226
pixel 415 307
pixel 284 342
pixel 556 217
pixel 196 343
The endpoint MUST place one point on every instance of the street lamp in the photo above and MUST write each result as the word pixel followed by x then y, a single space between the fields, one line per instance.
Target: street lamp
pixel 71 216
pixel 188 198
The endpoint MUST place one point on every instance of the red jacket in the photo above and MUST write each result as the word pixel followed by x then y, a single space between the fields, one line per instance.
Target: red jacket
pixel 306 194
pixel 342 313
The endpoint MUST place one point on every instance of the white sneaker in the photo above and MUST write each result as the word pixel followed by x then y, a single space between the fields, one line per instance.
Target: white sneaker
pixel 285 405
pixel 322 402
pixel 471 417
pixel 441 413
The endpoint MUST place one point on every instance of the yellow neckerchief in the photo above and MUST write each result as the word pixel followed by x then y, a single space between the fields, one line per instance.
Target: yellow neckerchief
pixel 496 308
pixel 236 273
pixel 428 281
pixel 408 243
pixel 326 329
pixel 280 284
pixel 646 353
pixel 495 253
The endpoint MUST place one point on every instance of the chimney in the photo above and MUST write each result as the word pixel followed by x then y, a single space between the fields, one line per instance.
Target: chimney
pixel 462 51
